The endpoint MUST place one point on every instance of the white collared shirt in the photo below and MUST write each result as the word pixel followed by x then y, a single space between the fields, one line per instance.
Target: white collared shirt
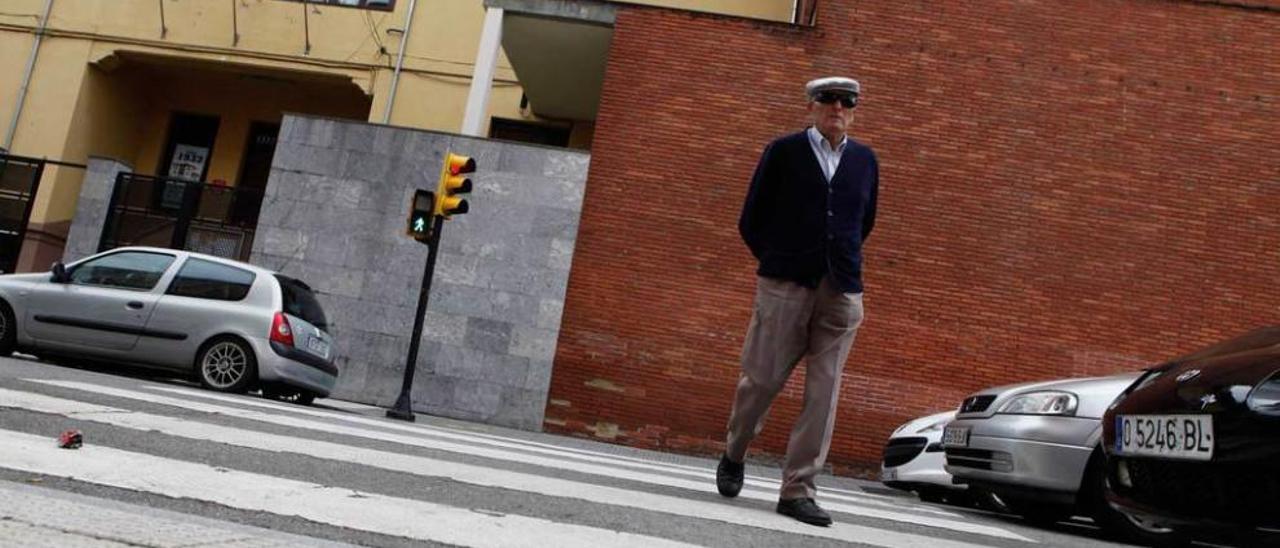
pixel 827 158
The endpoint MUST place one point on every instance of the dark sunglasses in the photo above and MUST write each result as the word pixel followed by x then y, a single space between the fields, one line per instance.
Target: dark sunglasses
pixel 846 101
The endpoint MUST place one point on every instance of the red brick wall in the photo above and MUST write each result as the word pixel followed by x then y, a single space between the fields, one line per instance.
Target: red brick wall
pixel 1067 189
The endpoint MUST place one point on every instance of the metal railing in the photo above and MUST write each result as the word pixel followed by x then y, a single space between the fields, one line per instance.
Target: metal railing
pixel 181 214
pixel 19 182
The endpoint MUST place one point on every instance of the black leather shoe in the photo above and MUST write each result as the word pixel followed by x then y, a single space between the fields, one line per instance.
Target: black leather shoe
pixel 805 510
pixel 729 476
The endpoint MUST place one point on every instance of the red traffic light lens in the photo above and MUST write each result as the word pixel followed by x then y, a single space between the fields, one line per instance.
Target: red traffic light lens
pixel 461 164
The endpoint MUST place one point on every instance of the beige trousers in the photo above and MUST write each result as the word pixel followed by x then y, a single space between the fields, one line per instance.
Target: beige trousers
pixel 791 322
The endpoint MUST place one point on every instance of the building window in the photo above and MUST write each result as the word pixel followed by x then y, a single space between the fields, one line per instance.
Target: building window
pixel 386 5
pixel 526 132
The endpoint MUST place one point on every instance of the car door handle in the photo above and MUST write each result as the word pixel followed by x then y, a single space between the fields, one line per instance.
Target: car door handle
pixel 136 305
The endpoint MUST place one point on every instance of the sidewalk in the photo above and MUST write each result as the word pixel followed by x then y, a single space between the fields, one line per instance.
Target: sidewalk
pixel 38 517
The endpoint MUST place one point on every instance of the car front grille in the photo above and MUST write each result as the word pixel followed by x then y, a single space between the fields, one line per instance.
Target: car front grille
pixel 1234 492
pixel 976 404
pixel 980 459
pixel 900 451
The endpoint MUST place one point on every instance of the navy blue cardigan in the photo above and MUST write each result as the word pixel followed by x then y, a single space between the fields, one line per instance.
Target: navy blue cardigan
pixel 799 227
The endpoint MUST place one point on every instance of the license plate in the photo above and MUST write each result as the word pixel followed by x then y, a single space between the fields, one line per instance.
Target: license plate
pixel 888 474
pixel 318 346
pixel 1173 436
pixel 956 436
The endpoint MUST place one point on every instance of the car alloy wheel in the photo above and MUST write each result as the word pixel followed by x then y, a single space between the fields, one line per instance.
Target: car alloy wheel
pixel 227 365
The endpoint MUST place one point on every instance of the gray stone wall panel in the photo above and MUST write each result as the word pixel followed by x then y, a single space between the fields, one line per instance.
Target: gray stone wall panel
pixel 334 216
pixel 91 209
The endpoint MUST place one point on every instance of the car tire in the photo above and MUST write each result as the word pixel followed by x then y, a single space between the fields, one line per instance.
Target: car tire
pixel 8 329
pixel 935 496
pixel 1120 525
pixel 986 500
pixel 226 364
pixel 1042 515
pixel 289 395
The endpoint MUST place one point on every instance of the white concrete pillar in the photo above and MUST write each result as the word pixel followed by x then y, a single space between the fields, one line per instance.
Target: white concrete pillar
pixel 482 81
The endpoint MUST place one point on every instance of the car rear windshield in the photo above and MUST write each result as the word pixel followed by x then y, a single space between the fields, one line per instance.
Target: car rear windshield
pixel 300 302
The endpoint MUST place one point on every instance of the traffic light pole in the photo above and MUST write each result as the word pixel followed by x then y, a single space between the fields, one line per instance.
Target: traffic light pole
pixel 403 409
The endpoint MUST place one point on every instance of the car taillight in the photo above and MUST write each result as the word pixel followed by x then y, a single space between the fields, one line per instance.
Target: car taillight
pixel 281 331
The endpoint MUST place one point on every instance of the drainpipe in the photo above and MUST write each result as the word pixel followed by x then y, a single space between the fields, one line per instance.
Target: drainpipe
pixel 395 77
pixel 26 78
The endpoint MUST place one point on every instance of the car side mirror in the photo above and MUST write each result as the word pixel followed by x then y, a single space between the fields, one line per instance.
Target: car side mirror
pixel 60 274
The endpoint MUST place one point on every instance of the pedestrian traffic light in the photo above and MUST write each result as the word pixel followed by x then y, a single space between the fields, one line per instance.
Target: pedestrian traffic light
pixel 452 183
pixel 420 215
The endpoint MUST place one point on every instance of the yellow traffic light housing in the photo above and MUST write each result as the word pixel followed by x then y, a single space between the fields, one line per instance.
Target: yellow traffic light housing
pixel 421 215
pixel 452 183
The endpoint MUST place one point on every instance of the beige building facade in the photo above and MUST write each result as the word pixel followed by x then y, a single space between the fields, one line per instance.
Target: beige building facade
pixel 197 88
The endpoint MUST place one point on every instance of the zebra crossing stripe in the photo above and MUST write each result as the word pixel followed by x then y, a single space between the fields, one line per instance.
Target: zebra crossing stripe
pixel 761 488
pixel 53 518
pixel 476 475
pixel 613 473
pixel 753 483
pixel 330 505
pixel 466 445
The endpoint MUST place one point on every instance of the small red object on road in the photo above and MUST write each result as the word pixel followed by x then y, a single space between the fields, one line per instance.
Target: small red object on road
pixel 71 439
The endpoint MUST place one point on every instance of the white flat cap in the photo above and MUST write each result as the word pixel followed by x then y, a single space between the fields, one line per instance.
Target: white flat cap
pixel 832 83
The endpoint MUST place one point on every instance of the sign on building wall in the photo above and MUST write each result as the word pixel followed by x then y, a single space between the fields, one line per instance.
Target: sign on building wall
pixel 187 164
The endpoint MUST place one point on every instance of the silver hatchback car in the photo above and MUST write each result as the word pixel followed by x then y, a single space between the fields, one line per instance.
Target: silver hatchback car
pixel 1037 447
pixel 234 325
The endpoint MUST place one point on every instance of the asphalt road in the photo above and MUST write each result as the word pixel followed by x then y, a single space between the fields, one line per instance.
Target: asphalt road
pixel 165 463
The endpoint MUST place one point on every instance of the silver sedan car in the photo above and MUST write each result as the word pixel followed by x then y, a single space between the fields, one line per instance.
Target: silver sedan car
pixel 1036 446
pixel 234 326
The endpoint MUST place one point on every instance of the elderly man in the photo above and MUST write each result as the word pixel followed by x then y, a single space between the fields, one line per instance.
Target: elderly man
pixel 810 207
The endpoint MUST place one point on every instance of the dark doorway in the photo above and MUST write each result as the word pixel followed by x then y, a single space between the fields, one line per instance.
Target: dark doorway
pixel 19 181
pixel 254 171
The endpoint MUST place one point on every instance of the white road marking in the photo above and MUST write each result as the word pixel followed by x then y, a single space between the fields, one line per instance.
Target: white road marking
pixel 605 471
pixel 54 519
pixel 755 482
pixel 756 487
pixel 476 475
pixel 18 533
pixel 327 402
pixel 335 506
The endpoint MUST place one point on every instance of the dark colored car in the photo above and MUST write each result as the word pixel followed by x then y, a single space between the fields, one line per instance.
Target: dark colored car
pixel 1195 443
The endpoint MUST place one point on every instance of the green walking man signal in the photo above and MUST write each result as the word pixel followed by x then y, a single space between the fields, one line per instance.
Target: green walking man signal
pixel 420 215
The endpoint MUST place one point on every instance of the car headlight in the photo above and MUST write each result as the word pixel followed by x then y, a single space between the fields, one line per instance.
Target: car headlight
pixel 1042 403
pixel 934 427
pixel 1265 398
